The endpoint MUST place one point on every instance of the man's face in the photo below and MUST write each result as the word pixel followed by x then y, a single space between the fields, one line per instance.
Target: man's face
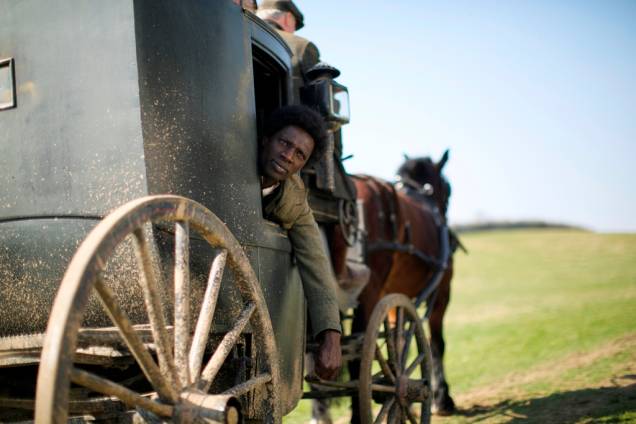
pixel 290 22
pixel 285 153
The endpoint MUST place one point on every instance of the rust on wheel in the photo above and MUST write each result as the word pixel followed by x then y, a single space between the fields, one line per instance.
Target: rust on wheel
pixel 172 354
pixel 395 369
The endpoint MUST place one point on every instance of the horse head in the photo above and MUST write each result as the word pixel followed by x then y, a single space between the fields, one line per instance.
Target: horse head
pixel 425 176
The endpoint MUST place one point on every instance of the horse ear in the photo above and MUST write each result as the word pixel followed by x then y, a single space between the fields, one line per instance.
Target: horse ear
pixel 406 157
pixel 442 161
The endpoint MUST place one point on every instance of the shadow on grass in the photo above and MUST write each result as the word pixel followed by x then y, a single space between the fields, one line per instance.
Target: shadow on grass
pixel 604 404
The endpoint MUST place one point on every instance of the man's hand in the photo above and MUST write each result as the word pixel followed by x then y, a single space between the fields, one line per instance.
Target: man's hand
pixel 329 355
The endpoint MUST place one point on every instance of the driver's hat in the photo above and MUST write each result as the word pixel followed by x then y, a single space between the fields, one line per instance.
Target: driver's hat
pixel 284 6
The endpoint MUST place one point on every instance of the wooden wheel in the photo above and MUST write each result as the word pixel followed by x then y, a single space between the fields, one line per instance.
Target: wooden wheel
pixel 179 383
pixel 395 370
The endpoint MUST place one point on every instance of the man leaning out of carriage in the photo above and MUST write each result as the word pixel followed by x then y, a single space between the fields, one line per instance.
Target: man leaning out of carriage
pixel 293 136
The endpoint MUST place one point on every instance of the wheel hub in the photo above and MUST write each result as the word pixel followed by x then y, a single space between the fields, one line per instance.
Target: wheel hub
pixel 409 391
pixel 203 408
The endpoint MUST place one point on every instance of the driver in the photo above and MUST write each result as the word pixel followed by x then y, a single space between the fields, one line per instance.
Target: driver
pixel 294 135
pixel 286 19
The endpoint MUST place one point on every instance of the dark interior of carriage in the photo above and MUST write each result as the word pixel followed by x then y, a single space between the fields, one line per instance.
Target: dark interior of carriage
pixel 270 81
pixel 269 86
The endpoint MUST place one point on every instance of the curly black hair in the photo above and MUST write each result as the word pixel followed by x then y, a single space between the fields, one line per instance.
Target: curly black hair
pixel 302 117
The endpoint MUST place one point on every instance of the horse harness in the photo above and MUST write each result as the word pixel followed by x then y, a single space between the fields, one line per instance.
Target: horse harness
pixel 421 194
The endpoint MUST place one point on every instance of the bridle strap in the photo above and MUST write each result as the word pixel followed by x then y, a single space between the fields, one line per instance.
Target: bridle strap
pixel 403 180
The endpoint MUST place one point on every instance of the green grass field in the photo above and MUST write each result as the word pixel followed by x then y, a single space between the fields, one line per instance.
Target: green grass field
pixel 541 328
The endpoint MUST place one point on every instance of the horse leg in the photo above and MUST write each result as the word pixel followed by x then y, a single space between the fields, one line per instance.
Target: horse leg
pixel 319 407
pixel 443 403
pixel 320 411
pixel 358 326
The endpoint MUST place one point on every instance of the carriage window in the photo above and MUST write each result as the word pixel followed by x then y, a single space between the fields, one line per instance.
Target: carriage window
pixel 270 81
pixel 269 85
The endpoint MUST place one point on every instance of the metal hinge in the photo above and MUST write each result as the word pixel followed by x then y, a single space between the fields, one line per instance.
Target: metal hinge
pixel 8 98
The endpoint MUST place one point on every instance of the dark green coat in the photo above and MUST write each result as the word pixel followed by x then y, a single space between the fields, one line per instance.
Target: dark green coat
pixel 288 206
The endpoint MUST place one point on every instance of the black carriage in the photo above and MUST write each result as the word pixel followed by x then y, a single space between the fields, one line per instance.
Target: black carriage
pixel 115 103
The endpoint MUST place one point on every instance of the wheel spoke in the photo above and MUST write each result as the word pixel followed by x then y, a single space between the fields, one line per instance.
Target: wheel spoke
pixel 390 345
pixel 206 314
pixel 415 364
pixel 127 396
pixel 134 342
pixel 384 411
pixel 394 414
pixel 224 348
pixel 382 388
pixel 408 336
pixel 399 337
pixel 249 385
pixel 384 364
pixel 182 301
pixel 154 308
pixel 409 415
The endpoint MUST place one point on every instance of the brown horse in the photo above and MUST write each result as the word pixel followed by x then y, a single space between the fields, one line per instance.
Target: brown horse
pixel 401 219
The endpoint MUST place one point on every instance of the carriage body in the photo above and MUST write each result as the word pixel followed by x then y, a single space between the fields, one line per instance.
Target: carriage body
pixel 121 99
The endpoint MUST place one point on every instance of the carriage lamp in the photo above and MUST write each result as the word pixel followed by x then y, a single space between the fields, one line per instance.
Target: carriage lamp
pixel 7 84
pixel 339 102
pixel 330 98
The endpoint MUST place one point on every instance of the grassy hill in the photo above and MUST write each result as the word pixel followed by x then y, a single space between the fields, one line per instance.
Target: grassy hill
pixel 541 328
pixel 540 321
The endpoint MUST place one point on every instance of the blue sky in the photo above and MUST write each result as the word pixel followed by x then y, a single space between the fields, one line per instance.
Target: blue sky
pixel 535 99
